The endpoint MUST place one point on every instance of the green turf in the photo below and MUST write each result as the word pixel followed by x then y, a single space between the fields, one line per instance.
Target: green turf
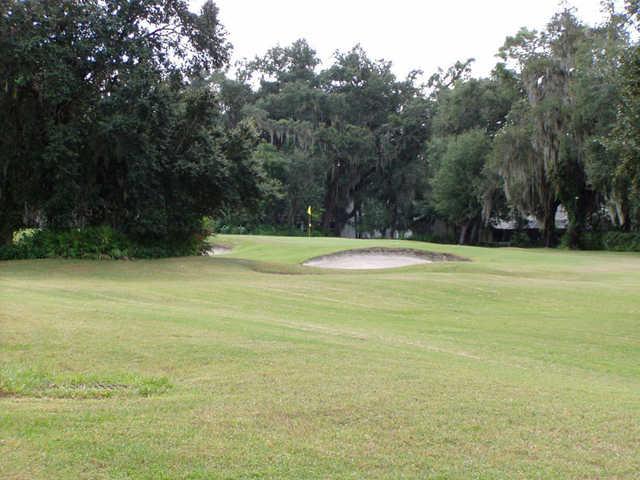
pixel 518 364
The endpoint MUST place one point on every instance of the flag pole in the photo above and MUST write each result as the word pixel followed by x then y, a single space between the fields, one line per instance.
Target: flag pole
pixel 309 229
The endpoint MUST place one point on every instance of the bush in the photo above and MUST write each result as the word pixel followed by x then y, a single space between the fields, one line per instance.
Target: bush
pixel 521 239
pixel 95 243
pixel 264 229
pixel 435 238
pixel 614 241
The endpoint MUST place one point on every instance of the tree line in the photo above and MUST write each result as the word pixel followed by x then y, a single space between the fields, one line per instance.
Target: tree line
pixel 556 123
pixel 126 114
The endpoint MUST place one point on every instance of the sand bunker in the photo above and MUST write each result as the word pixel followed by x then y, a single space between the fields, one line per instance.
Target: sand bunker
pixel 366 261
pixel 375 258
pixel 216 250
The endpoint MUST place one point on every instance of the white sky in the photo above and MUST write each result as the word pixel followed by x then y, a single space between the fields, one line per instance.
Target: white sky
pixel 413 34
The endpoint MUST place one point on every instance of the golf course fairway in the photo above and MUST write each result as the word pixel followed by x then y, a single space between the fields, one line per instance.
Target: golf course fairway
pixel 515 364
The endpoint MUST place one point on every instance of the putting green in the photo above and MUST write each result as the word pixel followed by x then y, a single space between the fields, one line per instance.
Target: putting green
pixel 517 364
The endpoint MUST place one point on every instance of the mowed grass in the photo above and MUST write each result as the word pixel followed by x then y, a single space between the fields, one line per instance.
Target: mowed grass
pixel 518 364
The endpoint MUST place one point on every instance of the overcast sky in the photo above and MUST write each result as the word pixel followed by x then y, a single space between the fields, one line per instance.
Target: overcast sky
pixel 413 34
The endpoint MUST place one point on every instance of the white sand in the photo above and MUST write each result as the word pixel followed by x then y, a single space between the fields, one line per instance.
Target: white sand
pixel 362 261
pixel 218 250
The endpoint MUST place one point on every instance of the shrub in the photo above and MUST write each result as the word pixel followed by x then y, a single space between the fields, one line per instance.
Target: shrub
pixel 521 239
pixel 95 243
pixel 265 229
pixel 614 241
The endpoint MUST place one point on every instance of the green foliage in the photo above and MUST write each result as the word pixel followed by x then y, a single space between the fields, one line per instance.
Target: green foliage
pixel 109 118
pixel 268 229
pixel 435 238
pixel 375 216
pixel 335 139
pixel 293 182
pixel 467 111
pixel 626 135
pixel 521 239
pixel 527 187
pixel 370 150
pixel 120 113
pixel 556 148
pixel 95 243
pixel 475 103
pixel 613 241
pixel 456 185
pixel 98 242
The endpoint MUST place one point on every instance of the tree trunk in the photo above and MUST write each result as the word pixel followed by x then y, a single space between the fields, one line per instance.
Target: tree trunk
pixel 329 215
pixel 6 234
pixel 463 233
pixel 623 217
pixel 626 227
pixel 573 231
pixel 549 224
pixel 473 238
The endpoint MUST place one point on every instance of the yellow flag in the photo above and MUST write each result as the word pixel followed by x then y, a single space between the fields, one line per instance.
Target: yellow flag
pixel 309 210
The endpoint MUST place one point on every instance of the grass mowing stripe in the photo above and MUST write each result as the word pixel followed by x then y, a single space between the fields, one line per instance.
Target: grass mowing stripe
pixel 518 364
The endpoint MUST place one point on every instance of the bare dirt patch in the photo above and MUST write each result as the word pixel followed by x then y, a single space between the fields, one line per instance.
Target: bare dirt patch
pixel 378 258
